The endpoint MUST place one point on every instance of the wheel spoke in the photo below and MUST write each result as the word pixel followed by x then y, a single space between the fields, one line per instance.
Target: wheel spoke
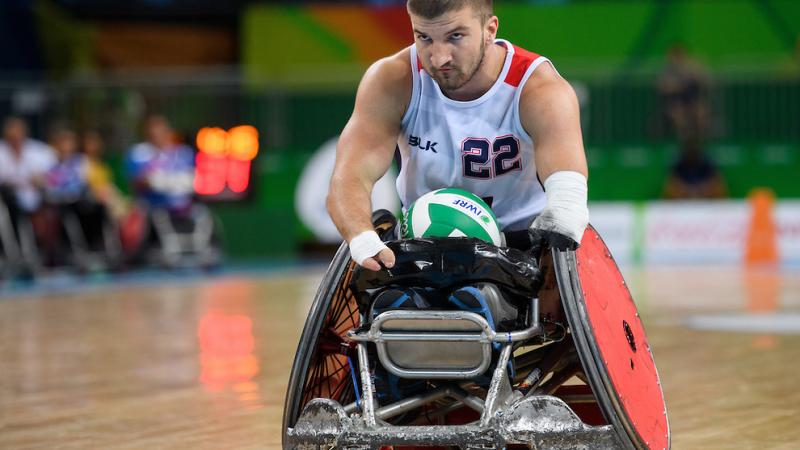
pixel 328 374
pixel 349 319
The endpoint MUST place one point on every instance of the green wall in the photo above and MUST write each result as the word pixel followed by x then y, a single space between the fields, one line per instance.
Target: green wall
pixel 638 172
pixel 325 43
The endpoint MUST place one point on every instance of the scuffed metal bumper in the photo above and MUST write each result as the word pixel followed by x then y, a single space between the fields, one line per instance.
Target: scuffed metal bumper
pixel 542 422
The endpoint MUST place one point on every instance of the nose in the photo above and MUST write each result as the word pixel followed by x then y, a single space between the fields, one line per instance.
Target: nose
pixel 440 55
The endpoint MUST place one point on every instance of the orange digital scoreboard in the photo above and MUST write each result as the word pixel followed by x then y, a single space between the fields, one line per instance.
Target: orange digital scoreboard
pixel 223 165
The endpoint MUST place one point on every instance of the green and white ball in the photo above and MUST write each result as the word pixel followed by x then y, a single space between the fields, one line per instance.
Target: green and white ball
pixel 451 212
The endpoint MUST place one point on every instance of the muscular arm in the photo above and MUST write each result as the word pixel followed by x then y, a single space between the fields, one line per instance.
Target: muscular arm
pixel 550 114
pixel 366 146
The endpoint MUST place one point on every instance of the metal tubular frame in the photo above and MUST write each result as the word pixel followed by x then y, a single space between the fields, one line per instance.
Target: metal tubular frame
pixel 325 422
pixel 485 337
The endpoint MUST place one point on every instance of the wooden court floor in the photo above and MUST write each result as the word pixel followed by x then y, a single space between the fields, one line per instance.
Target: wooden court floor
pixel 203 364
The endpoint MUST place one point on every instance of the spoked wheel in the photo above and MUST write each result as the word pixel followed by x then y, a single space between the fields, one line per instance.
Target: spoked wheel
pixel 321 366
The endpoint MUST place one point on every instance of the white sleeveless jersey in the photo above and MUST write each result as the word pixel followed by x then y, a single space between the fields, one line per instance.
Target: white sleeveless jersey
pixel 477 145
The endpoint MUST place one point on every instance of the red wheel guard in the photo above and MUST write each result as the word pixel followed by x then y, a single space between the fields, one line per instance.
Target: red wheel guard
pixel 611 343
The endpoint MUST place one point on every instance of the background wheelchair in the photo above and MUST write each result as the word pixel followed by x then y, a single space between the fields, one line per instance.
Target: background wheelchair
pixel 19 252
pixel 91 237
pixel 573 370
pixel 190 239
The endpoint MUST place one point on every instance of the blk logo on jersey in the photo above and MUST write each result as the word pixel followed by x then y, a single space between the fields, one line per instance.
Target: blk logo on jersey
pixel 416 141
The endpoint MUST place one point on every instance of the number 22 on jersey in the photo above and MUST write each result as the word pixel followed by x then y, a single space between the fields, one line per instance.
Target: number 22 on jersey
pixel 485 160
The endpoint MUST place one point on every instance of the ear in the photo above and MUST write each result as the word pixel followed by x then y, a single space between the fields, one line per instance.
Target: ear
pixel 491 28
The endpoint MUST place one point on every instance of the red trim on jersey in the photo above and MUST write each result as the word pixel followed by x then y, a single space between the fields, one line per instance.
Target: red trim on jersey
pixel 419 64
pixel 519 64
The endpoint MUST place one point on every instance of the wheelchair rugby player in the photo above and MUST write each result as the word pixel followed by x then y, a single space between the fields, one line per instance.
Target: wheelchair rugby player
pixel 494 315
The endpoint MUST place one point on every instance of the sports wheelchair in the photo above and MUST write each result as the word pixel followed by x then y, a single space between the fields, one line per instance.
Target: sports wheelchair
pixel 189 239
pixel 570 367
pixel 19 252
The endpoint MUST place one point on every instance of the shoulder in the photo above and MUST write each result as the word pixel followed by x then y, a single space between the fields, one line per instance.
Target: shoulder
pixel 546 95
pixel 546 88
pixel 37 147
pixel 186 152
pixel 521 60
pixel 141 152
pixel 40 152
pixel 388 81
pixel 392 71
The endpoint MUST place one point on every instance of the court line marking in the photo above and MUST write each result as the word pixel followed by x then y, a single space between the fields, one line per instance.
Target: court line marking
pixel 766 323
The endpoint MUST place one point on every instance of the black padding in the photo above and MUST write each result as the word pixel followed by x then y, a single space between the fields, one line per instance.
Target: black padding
pixel 448 263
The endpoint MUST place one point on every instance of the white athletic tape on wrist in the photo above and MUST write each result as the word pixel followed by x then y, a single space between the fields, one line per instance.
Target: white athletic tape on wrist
pixel 566 211
pixel 365 245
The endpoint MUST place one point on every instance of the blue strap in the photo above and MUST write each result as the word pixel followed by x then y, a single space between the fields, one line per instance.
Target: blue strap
pixel 355 381
pixel 399 301
pixel 483 309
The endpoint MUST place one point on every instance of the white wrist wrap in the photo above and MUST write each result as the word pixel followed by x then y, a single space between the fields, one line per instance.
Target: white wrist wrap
pixel 566 211
pixel 365 245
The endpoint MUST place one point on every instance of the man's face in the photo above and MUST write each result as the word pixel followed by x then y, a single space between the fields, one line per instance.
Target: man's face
pixel 452 46
pixel 65 144
pixel 158 132
pixel 93 145
pixel 15 133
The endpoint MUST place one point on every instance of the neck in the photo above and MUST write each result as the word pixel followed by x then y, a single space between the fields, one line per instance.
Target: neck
pixel 484 78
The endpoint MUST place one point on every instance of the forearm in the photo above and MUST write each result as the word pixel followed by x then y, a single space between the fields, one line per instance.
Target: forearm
pixel 350 206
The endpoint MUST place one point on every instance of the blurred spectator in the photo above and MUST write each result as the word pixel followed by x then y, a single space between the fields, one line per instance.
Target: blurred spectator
pixel 161 170
pixel 99 176
pixel 684 88
pixel 81 230
pixel 23 163
pixel 694 175
pixel 128 219
pixel 66 192
pixel 65 182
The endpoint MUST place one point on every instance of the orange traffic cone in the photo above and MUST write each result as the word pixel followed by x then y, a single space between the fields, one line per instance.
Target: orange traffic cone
pixel 762 237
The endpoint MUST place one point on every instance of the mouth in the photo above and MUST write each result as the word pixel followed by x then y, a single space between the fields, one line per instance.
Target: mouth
pixel 445 72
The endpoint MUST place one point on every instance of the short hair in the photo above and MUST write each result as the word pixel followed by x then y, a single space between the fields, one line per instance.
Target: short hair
pixel 431 9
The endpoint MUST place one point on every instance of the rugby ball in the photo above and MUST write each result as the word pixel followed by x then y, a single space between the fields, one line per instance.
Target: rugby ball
pixel 451 212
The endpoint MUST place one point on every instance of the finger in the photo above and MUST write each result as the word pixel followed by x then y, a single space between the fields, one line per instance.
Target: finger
pixel 386 256
pixel 371 264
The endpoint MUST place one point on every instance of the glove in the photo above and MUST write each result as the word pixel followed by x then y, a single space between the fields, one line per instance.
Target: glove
pixel 563 221
pixel 540 239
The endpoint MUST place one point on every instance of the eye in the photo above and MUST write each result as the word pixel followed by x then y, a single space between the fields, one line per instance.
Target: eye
pixel 423 37
pixel 456 36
